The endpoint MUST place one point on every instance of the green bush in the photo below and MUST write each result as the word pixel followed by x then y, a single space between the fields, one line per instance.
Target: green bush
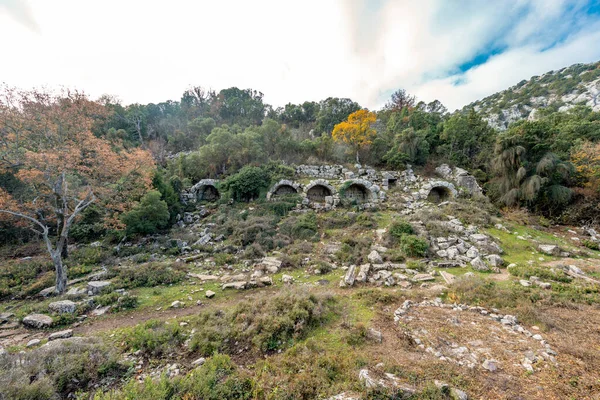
pixel 305 226
pixel 413 246
pixel 149 275
pixel 282 205
pixel 106 299
pixel 247 184
pixel 218 378
pixel 591 245
pixel 150 215
pixel 354 249
pixel 268 322
pixel 154 338
pixel 55 371
pixel 253 229
pixel 25 278
pixel 401 228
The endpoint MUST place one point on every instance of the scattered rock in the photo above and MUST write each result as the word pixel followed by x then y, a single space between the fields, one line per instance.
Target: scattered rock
pixel 270 264
pixel 374 335
pixel 287 279
pixel 61 334
pixel 350 275
pixel 448 277
pixel 374 257
pixel 363 273
pixel 198 362
pixel 33 342
pixel 5 317
pixel 204 278
pixel 49 291
pixel 63 307
pixel 494 260
pixel 38 321
pixel 478 264
pixel 210 294
pixel 549 249
pixel 96 287
pixel 240 285
pixel 490 365
pixel 423 277
pixel 177 304
pixel 100 311
pixel 457 394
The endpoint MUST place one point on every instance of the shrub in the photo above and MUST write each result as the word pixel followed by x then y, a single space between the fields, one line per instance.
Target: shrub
pixel 413 246
pixel 247 184
pixel 591 245
pixel 56 370
pixel 254 229
pixel 284 204
pixel 304 227
pixel 356 335
pixel 218 378
pixel 401 228
pixel 150 215
pixel 25 277
pixel 154 338
pixel 354 249
pixel 149 275
pixel 107 299
pixel 268 323
pixel 127 302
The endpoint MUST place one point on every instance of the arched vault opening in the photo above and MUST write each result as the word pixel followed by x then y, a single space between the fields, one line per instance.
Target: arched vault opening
pixel 317 193
pixel 284 190
pixel 438 194
pixel 208 193
pixel 357 192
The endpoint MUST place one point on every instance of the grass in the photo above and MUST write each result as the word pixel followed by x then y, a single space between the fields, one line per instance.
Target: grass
pixel 520 251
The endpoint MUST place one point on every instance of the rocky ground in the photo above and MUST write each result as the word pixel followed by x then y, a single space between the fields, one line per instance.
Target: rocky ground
pixel 494 309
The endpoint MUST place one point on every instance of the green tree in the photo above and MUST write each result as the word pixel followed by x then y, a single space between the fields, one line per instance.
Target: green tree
pixel 247 184
pixel 332 111
pixel 526 174
pixel 168 194
pixel 467 140
pixel 150 215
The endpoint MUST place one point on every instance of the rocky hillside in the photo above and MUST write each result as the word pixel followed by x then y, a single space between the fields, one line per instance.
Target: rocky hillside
pixel 560 90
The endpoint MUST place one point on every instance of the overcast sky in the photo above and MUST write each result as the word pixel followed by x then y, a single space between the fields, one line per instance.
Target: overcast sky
pixel 293 50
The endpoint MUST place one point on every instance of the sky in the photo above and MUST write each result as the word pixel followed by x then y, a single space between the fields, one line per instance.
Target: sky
pixel 142 51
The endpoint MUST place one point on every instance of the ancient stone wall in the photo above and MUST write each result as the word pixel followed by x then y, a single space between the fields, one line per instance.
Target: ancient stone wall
pixel 361 186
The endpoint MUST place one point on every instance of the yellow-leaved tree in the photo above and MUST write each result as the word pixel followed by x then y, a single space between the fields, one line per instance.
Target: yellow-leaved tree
pixel 357 131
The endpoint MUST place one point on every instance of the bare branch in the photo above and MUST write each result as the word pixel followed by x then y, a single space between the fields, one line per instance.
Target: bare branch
pixel 27 217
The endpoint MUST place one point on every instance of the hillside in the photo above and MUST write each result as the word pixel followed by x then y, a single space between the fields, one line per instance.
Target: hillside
pixel 559 90
pixel 315 251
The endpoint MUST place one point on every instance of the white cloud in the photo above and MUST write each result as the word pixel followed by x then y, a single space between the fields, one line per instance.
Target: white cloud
pixel 152 50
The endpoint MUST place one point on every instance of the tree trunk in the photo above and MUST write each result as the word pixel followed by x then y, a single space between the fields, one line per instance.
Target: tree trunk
pixel 357 160
pixel 61 272
pixel 64 253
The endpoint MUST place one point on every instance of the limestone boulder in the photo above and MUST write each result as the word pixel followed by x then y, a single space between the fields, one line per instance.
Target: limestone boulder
pixel 38 321
pixel 63 307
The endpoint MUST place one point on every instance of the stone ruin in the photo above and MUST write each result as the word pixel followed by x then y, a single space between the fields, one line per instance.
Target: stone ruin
pixel 330 186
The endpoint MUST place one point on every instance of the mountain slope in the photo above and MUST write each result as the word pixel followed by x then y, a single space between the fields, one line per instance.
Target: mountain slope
pixel 578 84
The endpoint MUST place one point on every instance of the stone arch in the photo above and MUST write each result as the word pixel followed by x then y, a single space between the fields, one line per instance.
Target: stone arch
pixel 360 191
pixel 282 188
pixel 437 194
pixel 206 190
pixel 317 191
pixel 438 191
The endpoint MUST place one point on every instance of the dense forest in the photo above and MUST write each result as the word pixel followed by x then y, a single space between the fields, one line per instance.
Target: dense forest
pixel 124 165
